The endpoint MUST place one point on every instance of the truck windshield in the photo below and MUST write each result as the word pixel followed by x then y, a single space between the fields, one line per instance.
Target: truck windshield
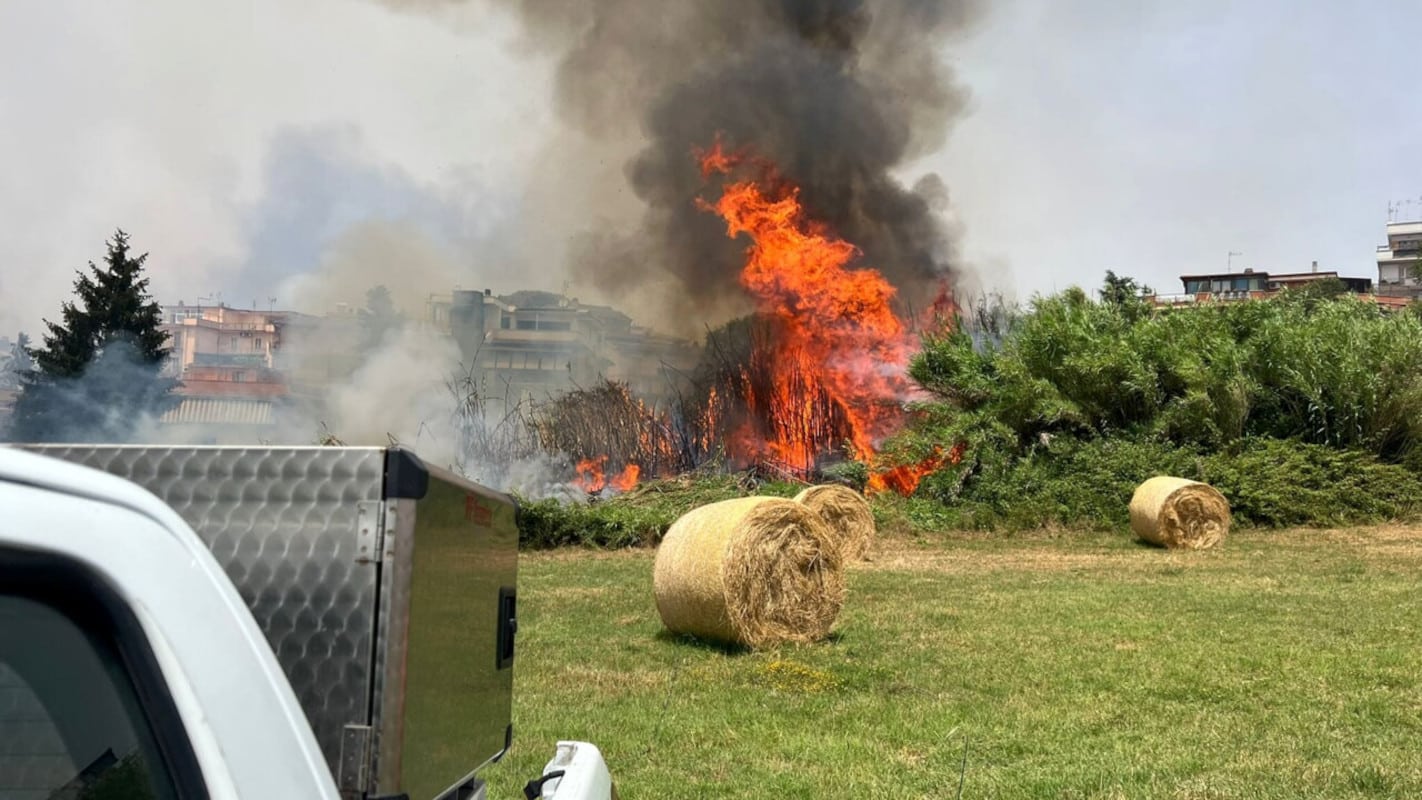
pixel 71 727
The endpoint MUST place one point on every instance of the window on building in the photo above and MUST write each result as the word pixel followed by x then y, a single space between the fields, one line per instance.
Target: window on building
pixel 550 325
pixel 504 323
pixel 526 324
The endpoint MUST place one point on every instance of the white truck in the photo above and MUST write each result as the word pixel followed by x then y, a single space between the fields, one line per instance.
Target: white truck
pixel 264 622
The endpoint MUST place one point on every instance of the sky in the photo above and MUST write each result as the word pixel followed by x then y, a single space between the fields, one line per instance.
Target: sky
pixel 250 146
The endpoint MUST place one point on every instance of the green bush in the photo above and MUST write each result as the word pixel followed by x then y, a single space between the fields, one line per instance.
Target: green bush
pixel 636 519
pixel 1335 372
pixel 1303 410
pixel 1268 482
pixel 1271 482
pixel 555 523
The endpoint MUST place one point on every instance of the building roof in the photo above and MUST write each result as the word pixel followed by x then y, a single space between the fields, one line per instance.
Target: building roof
pixel 1253 273
pixel 221 411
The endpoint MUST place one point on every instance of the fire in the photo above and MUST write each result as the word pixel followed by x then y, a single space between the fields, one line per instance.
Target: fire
pixel 626 479
pixel 837 355
pixel 592 478
pixel 904 478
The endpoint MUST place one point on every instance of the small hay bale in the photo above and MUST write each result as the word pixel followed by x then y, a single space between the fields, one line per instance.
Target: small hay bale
pixel 848 515
pixel 1176 512
pixel 757 571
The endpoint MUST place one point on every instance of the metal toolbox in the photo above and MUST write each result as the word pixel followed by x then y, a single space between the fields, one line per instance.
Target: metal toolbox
pixel 385 587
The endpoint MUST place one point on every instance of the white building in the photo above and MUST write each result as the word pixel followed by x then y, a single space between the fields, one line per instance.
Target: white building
pixel 1399 259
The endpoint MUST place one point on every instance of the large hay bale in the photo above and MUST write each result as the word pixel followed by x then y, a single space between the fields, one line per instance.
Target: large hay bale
pixel 757 571
pixel 848 515
pixel 1176 512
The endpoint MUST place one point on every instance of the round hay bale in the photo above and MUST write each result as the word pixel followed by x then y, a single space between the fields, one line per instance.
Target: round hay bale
pixel 757 571
pixel 848 515
pixel 1176 512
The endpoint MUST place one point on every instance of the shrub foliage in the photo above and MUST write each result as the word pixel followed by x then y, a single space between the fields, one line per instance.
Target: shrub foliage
pixel 1306 409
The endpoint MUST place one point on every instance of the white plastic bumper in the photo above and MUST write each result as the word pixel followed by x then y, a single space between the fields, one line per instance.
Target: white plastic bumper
pixel 584 774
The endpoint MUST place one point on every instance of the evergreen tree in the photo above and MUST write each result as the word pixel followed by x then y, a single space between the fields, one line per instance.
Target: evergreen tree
pixel 1120 290
pixel 98 375
pixel 1126 294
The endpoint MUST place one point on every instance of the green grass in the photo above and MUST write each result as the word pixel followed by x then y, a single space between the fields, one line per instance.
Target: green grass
pixel 1286 664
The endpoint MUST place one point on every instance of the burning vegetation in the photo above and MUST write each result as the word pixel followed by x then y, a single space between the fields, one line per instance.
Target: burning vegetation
pixel 827 368
pixel 817 373
pixel 798 114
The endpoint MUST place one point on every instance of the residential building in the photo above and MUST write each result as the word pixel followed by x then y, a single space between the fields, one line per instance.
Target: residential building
pixel 9 384
pixel 1258 285
pixel 532 344
pixel 227 362
pixel 1400 260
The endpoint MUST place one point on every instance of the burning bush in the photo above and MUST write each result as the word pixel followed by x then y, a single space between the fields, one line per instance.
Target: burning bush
pixel 758 411
pixel 823 365
pixel 605 429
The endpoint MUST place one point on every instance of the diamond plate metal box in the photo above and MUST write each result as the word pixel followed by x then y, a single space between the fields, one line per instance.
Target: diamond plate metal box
pixel 384 587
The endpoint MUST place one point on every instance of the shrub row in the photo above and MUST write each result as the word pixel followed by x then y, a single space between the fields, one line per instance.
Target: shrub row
pixel 1269 483
pixel 636 519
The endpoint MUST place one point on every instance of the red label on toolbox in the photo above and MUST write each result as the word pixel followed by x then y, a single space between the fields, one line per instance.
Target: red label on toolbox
pixel 477 511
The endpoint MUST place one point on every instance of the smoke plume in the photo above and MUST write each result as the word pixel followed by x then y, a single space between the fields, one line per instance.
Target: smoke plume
pixel 838 93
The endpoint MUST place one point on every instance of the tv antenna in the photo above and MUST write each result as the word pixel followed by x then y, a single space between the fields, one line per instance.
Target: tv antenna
pixel 1229 261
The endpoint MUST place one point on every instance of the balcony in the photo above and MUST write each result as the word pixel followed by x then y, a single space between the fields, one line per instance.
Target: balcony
pixel 229 360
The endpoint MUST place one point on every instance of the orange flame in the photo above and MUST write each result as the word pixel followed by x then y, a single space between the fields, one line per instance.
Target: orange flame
pixel 837 333
pixel 904 479
pixel 626 479
pixel 592 478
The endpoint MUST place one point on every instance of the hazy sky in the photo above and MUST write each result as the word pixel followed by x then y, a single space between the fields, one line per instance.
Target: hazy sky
pixel 242 143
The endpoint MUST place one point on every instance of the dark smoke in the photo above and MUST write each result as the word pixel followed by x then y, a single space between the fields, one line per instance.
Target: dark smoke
pixel 838 93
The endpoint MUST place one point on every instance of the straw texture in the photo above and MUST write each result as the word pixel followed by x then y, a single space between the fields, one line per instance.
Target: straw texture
pixel 848 515
pixel 758 571
pixel 1175 512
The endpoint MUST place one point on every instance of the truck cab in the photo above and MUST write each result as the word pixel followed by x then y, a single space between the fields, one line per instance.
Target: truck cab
pixel 132 666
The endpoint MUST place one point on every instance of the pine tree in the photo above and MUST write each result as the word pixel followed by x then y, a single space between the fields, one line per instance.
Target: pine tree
pixel 98 376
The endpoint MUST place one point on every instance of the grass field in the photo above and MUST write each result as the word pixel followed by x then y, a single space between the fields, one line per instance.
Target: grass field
pixel 1287 664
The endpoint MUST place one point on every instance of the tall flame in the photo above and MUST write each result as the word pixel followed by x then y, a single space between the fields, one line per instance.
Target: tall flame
pixel 837 335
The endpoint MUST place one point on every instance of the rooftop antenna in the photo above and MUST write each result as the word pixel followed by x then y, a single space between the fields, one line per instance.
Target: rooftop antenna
pixel 1229 261
pixel 271 304
pixel 1391 212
